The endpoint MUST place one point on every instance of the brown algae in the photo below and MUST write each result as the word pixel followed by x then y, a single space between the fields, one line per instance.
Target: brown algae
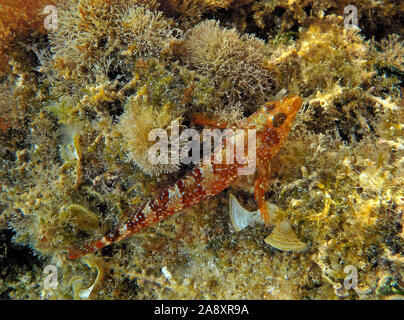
pixel 76 106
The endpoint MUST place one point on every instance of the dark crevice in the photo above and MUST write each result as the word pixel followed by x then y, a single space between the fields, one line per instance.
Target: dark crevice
pixel 15 259
pixel 115 110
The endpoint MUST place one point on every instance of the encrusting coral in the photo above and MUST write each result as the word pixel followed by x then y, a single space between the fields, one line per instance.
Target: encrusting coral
pixel 77 105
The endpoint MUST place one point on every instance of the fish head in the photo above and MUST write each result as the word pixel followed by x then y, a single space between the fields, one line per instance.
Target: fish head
pixel 273 123
pixel 280 114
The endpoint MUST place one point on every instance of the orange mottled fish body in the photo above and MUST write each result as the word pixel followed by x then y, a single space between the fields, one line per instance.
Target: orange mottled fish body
pixel 272 123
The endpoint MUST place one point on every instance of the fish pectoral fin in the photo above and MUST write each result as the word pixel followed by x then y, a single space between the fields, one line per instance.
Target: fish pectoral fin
pixel 264 210
pixel 261 186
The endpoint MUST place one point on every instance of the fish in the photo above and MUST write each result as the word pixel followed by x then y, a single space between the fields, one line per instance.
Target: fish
pixel 272 123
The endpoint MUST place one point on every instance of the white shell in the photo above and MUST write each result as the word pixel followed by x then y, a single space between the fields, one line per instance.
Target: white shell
pixel 240 217
pixel 282 236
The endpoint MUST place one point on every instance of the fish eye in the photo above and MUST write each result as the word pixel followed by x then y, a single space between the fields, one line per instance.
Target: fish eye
pixel 278 119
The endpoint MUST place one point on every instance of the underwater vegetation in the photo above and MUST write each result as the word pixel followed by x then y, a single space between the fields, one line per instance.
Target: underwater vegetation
pixel 77 104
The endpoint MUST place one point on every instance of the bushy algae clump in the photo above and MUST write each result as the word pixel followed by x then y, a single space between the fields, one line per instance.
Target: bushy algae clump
pixel 234 63
pixel 77 105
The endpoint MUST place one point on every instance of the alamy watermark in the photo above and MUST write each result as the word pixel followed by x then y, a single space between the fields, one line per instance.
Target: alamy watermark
pixel 351 280
pixel 51 20
pixel 50 281
pixel 185 148
pixel 351 20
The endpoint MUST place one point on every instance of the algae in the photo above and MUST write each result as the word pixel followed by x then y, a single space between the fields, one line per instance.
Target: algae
pixel 77 104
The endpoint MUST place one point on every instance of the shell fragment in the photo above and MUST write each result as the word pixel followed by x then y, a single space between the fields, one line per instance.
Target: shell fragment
pixel 282 236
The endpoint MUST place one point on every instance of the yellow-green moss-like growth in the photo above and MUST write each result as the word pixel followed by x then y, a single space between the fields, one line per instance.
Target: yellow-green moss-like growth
pixel 235 63
pixel 73 143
